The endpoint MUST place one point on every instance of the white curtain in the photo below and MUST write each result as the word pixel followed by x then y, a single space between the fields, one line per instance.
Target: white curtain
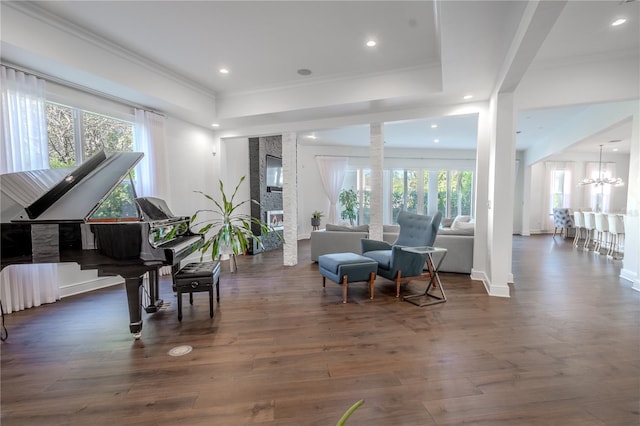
pixel 24 147
pixel 151 178
pixel 332 172
pixel 557 193
pixel 149 138
pixel 600 196
pixel 24 123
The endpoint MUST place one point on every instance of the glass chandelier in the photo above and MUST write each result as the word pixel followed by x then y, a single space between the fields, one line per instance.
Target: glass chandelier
pixel 601 181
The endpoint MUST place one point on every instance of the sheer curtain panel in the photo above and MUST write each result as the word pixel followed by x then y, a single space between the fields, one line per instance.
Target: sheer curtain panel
pixel 149 138
pixel 332 172
pixel 24 147
pixel 151 172
pixel 24 122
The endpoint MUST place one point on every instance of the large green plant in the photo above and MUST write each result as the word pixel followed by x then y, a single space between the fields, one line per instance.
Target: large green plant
pixel 349 200
pixel 230 228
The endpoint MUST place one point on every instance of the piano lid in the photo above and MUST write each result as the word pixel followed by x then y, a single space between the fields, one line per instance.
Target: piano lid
pixel 154 209
pixel 78 194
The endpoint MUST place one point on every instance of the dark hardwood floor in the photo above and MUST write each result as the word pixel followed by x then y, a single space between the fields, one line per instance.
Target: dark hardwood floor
pixel 281 350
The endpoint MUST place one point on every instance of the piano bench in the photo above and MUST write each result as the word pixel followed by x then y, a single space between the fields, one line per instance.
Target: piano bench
pixel 197 277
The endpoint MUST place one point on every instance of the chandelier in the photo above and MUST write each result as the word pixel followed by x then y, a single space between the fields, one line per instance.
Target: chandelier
pixel 601 181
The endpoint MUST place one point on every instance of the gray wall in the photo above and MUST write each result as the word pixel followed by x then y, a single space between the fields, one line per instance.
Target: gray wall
pixel 259 148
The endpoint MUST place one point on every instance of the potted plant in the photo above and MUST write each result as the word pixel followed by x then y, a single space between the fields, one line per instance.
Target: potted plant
pixel 315 219
pixel 231 230
pixel 349 200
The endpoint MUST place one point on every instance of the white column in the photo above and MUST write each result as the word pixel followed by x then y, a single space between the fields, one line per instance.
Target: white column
pixel 501 188
pixel 290 198
pixel 480 267
pixel 432 202
pixel 631 263
pixel 526 201
pixel 377 165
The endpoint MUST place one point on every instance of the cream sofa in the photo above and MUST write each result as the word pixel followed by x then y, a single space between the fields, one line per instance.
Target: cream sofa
pixel 457 241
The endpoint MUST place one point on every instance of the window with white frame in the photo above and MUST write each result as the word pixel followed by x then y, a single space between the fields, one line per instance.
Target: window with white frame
pixel 559 192
pixel 416 190
pixel 75 135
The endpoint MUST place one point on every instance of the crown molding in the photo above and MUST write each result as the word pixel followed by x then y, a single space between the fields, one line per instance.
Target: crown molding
pixel 48 18
pixel 314 81
pixel 585 59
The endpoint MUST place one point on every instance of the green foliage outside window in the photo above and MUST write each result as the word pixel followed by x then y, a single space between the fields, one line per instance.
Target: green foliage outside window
pixel 98 133
pixel 349 200
pixel 62 151
pixel 119 204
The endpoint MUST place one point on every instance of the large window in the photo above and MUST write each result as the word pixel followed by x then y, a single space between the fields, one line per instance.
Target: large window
pixel 559 197
pixel 75 135
pixel 416 190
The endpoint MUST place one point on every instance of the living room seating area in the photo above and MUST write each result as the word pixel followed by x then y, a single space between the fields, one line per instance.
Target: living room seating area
pixel 455 234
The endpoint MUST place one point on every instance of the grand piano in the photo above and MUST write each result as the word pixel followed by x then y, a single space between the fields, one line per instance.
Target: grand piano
pixel 91 215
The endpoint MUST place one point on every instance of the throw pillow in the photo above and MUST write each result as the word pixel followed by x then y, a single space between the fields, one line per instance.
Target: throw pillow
pixel 460 219
pixel 446 222
pixel 461 226
pixel 391 229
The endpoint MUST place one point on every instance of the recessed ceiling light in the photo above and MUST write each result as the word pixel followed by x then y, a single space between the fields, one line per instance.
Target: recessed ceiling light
pixel 467 97
pixel 224 71
pixel 371 43
pixel 312 137
pixel 618 21
pixel 215 125
pixel 436 141
pixel 434 126
pixel 304 71
pixel 615 149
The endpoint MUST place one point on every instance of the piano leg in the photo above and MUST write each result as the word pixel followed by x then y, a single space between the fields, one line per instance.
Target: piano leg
pixel 154 302
pixel 133 286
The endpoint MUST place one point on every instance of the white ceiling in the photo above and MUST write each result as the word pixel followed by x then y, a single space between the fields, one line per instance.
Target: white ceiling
pixel 265 43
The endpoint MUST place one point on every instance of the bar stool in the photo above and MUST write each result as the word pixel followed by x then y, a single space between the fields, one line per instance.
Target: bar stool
pixel 616 229
pixel 578 221
pixel 589 226
pixel 602 230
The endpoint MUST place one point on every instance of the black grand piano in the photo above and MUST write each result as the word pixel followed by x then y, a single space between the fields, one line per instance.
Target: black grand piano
pixel 92 216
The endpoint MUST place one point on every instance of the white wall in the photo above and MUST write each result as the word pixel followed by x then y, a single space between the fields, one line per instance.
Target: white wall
pixel 192 165
pixel 235 164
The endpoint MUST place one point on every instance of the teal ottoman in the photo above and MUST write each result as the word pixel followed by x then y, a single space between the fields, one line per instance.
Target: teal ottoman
pixel 345 268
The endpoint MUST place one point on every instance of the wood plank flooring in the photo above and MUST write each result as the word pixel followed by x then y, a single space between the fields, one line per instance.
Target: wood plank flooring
pixel 281 350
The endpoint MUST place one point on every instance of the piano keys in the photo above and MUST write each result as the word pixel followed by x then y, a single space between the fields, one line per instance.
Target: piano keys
pixel 92 216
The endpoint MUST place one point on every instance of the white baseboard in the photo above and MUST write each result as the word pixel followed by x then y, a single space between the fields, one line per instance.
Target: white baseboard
pixel 492 289
pixel 84 286
pixel 632 277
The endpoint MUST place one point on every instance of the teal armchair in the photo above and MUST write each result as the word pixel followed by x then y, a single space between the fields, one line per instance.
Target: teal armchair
pixel 395 264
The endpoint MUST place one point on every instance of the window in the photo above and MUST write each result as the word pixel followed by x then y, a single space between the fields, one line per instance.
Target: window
pixel 414 190
pixel 404 184
pixel 560 189
pixel 75 135
pixel 557 190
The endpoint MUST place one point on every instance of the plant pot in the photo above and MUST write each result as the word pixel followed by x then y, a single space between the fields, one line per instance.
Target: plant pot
pixel 315 221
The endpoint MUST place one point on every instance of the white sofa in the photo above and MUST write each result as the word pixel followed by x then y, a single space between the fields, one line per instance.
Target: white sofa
pixel 458 240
